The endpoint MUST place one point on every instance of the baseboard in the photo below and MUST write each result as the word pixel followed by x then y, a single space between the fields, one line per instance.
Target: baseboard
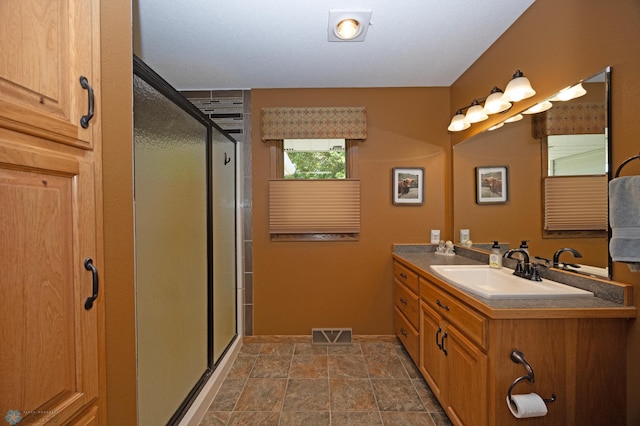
pixel 357 338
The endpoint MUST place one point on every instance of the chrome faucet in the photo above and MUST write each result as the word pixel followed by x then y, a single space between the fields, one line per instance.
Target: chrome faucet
pixel 556 256
pixel 524 268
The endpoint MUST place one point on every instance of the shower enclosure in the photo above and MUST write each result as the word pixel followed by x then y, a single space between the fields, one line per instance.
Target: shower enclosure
pixel 185 247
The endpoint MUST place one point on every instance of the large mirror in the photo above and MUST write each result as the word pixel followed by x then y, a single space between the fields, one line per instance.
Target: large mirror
pixel 568 142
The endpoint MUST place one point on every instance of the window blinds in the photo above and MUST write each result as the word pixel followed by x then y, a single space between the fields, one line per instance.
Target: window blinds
pixel 314 206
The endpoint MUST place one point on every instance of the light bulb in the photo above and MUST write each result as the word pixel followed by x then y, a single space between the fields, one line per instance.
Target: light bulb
pixel 347 29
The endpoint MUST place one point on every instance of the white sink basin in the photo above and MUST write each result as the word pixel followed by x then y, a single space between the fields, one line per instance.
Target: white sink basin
pixel 493 283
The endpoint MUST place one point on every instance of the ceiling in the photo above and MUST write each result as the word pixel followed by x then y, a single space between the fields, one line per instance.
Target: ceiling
pixel 249 44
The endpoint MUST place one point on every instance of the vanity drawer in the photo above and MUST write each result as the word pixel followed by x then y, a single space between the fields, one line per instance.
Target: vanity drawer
pixel 464 318
pixel 406 276
pixel 408 335
pixel 407 302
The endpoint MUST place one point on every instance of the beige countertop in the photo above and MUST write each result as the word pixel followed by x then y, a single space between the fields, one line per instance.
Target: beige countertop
pixel 611 300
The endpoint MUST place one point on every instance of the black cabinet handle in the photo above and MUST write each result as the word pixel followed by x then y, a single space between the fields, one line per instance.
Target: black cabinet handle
pixel 403 276
pixel 403 300
pixel 445 307
pixel 444 336
pixel 404 333
pixel 227 160
pixel 88 265
pixel 437 341
pixel 84 120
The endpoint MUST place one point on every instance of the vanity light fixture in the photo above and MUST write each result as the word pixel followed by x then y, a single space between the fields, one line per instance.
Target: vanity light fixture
pixel 515 118
pixel 518 88
pixel 497 101
pixel 569 93
pixel 348 25
pixel 497 126
pixel 458 122
pixel 539 107
pixel 475 113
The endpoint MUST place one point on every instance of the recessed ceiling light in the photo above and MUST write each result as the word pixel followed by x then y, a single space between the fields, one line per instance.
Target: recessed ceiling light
pixel 348 25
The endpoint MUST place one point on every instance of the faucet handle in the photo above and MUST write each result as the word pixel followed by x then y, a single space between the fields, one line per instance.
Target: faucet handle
pixel 535 273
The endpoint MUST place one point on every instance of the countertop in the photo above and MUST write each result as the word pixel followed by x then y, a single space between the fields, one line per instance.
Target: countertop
pixel 611 299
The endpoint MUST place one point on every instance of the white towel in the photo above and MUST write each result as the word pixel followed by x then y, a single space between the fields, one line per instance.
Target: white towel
pixel 624 218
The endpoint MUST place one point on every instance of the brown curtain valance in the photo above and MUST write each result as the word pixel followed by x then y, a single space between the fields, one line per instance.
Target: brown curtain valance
pixel 573 118
pixel 313 123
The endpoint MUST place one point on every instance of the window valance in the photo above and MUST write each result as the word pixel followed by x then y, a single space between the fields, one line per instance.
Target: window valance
pixel 571 119
pixel 279 123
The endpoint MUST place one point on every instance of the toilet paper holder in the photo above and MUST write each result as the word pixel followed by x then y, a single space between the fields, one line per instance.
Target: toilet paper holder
pixel 518 358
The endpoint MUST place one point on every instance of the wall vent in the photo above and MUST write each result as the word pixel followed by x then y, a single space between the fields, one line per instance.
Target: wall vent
pixel 331 336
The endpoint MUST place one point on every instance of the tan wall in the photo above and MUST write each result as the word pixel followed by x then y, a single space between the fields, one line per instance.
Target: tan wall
pixel 117 286
pixel 301 285
pixel 555 43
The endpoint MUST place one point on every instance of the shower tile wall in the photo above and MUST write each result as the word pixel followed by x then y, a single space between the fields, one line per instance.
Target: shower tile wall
pixel 231 111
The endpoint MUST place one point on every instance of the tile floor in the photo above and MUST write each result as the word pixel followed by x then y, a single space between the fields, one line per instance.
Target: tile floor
pixel 288 383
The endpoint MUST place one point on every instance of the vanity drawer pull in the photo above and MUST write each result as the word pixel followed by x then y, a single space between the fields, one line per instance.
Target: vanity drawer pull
pixel 404 333
pixel 403 300
pixel 445 307
pixel 437 334
pixel 403 275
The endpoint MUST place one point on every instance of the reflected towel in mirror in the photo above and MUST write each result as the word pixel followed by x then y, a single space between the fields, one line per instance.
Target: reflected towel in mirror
pixel 624 218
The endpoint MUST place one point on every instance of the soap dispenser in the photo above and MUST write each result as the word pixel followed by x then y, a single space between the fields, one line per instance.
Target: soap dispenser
pixel 495 258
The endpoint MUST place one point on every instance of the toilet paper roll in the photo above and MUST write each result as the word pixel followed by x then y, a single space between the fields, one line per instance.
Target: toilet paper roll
pixel 527 405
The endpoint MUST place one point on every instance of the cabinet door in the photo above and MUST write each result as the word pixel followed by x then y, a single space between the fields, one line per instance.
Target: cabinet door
pixel 467 380
pixel 46 48
pixel 48 349
pixel 431 357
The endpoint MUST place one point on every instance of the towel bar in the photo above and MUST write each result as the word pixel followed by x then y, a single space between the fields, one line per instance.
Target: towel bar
pixel 624 163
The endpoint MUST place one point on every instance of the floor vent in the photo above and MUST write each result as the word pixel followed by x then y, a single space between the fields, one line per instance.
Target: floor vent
pixel 331 336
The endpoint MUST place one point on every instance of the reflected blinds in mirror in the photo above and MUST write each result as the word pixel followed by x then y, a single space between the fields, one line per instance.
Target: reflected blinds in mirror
pixel 575 203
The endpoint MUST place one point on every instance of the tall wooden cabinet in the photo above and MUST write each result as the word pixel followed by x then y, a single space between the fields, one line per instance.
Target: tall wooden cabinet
pixel 50 217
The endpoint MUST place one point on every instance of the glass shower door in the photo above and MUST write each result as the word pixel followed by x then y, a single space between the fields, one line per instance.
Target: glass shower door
pixel 224 242
pixel 171 253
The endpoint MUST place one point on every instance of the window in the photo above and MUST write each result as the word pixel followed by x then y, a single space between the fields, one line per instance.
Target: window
pixel 315 159
pixel 314 190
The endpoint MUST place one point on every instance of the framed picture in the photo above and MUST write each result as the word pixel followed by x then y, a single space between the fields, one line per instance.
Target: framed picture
pixel 408 186
pixel 492 184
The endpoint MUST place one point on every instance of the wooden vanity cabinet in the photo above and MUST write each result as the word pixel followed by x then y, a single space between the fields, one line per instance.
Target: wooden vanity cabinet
pixel 407 311
pixel 464 356
pixel 454 366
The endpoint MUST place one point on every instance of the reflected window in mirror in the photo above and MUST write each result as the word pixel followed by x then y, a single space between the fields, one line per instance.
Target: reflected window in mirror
pixel 575 161
pixel 577 155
